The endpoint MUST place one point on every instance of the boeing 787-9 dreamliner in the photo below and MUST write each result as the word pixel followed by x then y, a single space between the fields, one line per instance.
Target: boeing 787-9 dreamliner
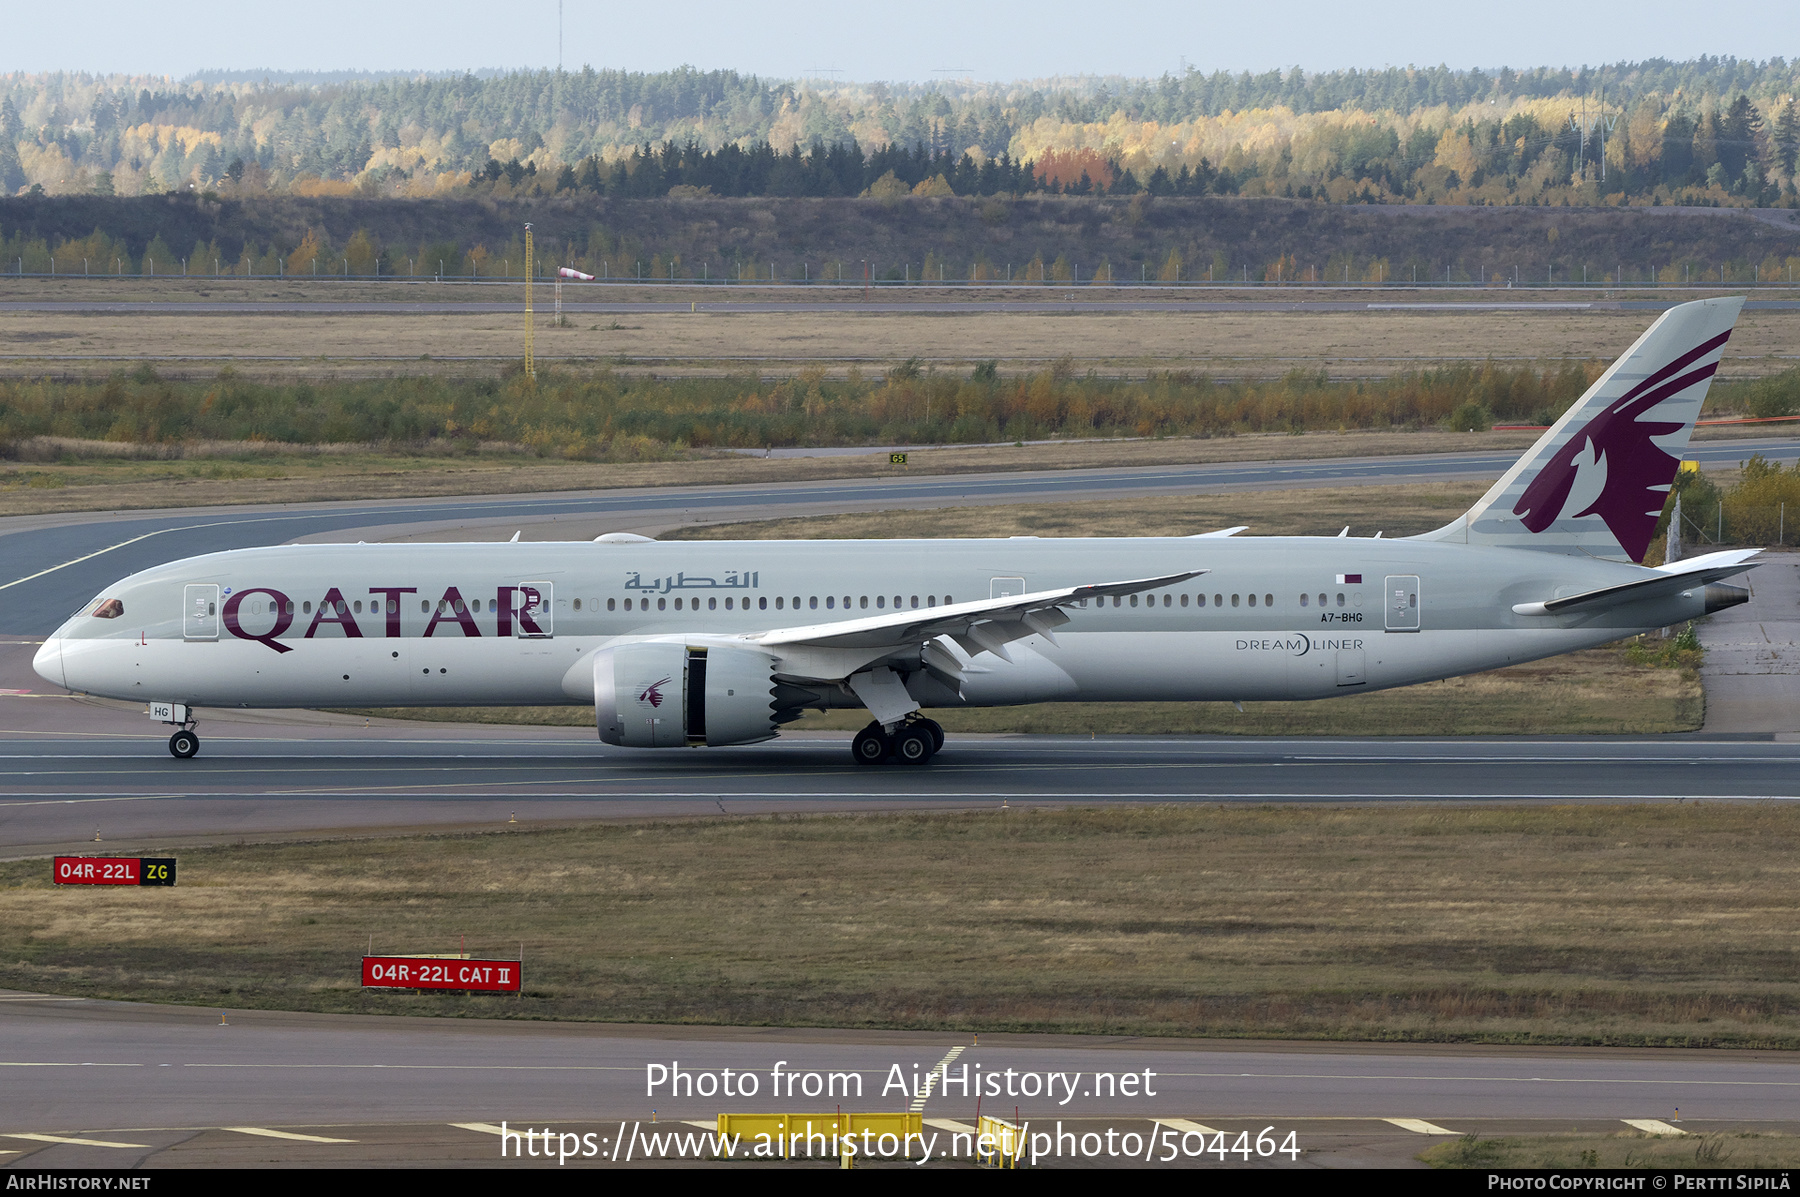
pixel 723 642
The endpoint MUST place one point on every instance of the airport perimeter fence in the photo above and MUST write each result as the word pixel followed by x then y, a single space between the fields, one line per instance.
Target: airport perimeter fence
pixel 1715 525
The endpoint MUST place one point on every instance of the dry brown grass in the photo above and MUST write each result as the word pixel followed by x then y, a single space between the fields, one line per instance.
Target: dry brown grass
pixel 721 337
pixel 95 483
pixel 1651 924
pixel 1318 511
pixel 1627 1149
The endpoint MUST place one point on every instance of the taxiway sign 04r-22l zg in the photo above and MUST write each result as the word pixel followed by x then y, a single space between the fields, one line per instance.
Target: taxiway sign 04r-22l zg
pixel 722 642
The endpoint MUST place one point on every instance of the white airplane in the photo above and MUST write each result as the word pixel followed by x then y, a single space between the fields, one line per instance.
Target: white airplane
pixel 722 642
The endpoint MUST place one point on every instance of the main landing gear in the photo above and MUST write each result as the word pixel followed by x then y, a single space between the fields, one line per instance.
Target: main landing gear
pixel 912 743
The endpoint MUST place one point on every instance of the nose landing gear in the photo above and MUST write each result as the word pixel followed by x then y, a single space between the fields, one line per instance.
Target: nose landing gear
pixel 912 743
pixel 185 742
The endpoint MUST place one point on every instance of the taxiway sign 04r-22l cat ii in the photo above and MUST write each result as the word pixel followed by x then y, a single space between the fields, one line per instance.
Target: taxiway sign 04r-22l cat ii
pixel 722 642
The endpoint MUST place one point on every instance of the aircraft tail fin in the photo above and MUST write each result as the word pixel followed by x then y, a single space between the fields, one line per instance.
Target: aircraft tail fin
pixel 1596 481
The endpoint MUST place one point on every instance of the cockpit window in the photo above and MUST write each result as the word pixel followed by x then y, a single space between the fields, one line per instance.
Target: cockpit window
pixel 110 609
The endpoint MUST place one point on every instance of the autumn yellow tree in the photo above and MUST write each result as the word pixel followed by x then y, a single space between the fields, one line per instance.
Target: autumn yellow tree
pixel 305 255
pixel 363 253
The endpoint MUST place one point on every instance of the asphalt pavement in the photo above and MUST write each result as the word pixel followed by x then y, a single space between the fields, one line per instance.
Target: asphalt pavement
pixel 107 1084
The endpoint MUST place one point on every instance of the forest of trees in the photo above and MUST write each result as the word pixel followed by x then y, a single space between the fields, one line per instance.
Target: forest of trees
pixel 1036 238
pixel 1712 131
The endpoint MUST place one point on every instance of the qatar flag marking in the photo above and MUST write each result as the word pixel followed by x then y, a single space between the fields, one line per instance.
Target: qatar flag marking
pixel 1349 579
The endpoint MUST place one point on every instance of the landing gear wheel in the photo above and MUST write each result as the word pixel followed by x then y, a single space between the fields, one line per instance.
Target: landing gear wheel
pixel 871 746
pixel 183 744
pixel 937 733
pixel 914 745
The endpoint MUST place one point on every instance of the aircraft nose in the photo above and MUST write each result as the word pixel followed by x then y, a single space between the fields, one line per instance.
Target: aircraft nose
pixel 49 662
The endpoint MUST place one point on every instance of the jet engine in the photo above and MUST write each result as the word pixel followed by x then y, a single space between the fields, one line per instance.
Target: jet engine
pixel 657 695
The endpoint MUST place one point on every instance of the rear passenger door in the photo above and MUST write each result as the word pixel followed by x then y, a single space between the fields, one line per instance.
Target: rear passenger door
pixel 1400 601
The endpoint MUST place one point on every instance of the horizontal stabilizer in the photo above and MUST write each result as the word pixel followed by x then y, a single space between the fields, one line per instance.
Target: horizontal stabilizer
pixel 1664 581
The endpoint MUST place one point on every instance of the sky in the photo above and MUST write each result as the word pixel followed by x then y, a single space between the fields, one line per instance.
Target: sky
pixel 988 40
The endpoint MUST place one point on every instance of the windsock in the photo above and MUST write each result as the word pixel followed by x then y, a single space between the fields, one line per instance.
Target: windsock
pixel 567 272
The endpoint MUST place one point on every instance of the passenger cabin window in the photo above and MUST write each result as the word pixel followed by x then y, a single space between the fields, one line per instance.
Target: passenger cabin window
pixel 1253 600
pixel 1234 600
pixel 1340 598
pixel 110 609
pixel 612 604
pixel 1268 600
pixel 1184 600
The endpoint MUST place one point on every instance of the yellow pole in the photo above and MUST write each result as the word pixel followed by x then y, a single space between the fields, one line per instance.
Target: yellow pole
pixel 530 366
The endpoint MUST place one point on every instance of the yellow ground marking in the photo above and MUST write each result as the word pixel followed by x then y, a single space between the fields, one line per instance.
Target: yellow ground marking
pixel 1419 1126
pixel 1186 1127
pixel 1653 1126
pixel 951 1125
pixel 76 1142
pixel 275 1134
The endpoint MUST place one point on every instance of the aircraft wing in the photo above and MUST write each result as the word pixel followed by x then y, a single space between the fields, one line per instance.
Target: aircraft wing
pixel 833 651
pixel 1666 580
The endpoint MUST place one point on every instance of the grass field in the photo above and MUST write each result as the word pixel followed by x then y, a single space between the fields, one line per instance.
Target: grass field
pixel 1627 1149
pixel 1669 924
pixel 836 332
pixel 99 476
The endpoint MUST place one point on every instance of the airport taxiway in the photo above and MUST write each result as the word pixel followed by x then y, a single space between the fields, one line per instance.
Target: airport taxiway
pixel 109 1084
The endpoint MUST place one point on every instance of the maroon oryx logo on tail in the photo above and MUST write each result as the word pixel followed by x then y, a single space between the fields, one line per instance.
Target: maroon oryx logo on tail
pixel 653 692
pixel 1617 445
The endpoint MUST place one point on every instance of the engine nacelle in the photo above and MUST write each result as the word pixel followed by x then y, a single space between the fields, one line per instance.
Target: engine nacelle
pixel 667 695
